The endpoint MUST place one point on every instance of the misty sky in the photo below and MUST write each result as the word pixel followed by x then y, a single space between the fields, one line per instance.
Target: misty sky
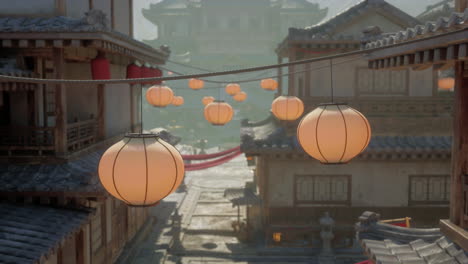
pixel 145 30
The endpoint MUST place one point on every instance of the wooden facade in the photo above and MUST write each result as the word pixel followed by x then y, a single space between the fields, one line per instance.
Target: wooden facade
pixel 50 126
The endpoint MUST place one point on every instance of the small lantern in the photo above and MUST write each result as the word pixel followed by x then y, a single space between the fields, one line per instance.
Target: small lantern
pixel 207 99
pixel 100 68
pixel 334 133
pixel 269 84
pixel 287 108
pixel 178 101
pixel 159 96
pixel 196 84
pixel 277 237
pixel 446 84
pixel 233 88
pixel 218 113
pixel 240 96
pixel 141 169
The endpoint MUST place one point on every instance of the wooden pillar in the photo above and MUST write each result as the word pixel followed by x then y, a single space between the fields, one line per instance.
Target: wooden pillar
pixel 132 108
pixel 461 5
pixel 291 76
pixel 307 81
pixel 60 131
pixel 460 147
pixel 280 76
pixel 101 118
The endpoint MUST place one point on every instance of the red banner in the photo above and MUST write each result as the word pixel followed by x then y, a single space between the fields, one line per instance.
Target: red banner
pixel 210 156
pixel 213 163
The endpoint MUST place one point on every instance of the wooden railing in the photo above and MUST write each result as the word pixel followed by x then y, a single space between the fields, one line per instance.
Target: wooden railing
pixel 81 134
pixel 26 141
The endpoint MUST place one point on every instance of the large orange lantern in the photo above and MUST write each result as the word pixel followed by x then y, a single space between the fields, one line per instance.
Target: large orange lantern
pixel 178 101
pixel 207 99
pixel 196 84
pixel 287 108
pixel 218 113
pixel 446 84
pixel 141 169
pixel 269 84
pixel 233 88
pixel 334 133
pixel 159 96
pixel 240 96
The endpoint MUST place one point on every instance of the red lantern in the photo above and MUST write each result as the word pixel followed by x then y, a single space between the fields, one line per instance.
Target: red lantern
pixel 100 68
pixel 133 71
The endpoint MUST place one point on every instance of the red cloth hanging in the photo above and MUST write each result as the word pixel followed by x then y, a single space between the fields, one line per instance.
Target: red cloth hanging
pixel 157 73
pixel 210 156
pixel 133 71
pixel 100 68
pixel 146 72
pixel 213 163
pixel 365 262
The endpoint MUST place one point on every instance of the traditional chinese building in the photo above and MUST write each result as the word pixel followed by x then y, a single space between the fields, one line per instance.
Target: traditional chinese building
pixel 433 12
pixel 54 209
pixel 405 169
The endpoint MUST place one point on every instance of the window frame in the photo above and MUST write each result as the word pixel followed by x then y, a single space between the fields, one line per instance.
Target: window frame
pixel 347 202
pixel 412 202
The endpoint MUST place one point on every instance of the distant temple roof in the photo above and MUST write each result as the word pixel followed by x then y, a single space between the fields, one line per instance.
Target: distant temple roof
pixel 388 244
pixel 324 30
pixel 183 4
pixel 267 136
pixel 441 9
pixel 29 234
pixel 456 21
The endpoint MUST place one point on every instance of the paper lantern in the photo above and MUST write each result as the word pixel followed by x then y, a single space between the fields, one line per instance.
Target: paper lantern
pixel 207 99
pixel 334 133
pixel 233 88
pixel 446 84
pixel 100 68
pixel 196 84
pixel 159 96
pixel 269 84
pixel 141 169
pixel 287 108
pixel 178 101
pixel 240 96
pixel 218 113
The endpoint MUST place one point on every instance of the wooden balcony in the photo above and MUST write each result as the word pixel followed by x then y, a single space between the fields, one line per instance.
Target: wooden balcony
pixel 19 141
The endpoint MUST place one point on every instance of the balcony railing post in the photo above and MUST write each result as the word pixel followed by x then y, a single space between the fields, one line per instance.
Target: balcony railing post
pixel 60 104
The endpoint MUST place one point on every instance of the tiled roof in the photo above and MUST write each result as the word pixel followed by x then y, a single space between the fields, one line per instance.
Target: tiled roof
pixel 388 244
pixel 74 176
pixel 242 196
pixel 94 21
pixel 324 30
pixel 28 234
pixel 268 135
pixel 455 22
pixel 442 8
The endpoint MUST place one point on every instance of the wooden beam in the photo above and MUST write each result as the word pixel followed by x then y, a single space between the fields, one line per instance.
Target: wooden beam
pixel 60 132
pixel 455 233
pixel 460 145
pixel 101 112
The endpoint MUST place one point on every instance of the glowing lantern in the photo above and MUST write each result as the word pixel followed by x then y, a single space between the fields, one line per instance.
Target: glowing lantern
pixel 233 88
pixel 269 84
pixel 446 84
pixel 277 237
pixel 218 113
pixel 178 100
pixel 334 133
pixel 141 169
pixel 159 96
pixel 100 68
pixel 240 97
pixel 287 108
pixel 207 99
pixel 196 84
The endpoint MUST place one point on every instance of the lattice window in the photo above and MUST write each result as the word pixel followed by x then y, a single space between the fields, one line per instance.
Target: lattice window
pixel 371 82
pixel 429 189
pixel 323 189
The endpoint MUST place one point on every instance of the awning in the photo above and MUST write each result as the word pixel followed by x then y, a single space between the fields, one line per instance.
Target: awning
pixel 29 234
